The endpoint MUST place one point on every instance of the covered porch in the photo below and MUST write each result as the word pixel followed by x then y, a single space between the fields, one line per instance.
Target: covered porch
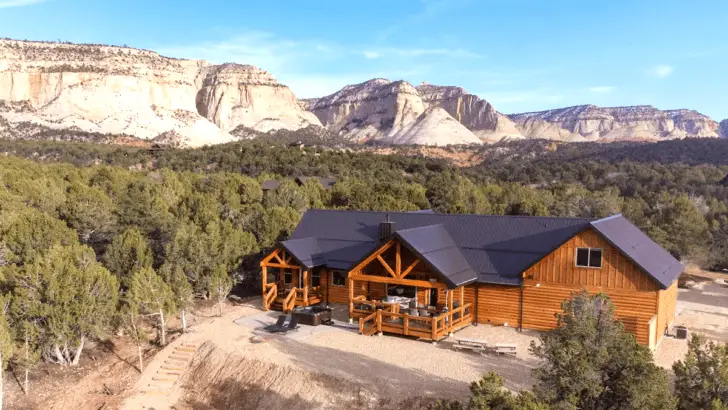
pixel 287 284
pixel 411 290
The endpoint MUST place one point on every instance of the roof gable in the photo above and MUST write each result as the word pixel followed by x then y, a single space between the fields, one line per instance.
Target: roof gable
pixel 643 251
pixel 434 245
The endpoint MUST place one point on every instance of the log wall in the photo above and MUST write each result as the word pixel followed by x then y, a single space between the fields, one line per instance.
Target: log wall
pixel 556 277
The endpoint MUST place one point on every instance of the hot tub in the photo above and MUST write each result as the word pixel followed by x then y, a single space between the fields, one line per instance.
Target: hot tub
pixel 312 315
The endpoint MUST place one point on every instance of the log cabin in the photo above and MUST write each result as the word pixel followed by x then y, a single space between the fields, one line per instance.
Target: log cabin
pixel 427 275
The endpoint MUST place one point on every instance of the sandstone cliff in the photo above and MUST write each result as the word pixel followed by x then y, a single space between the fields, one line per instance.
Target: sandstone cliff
pixel 474 113
pixel 390 112
pixel 592 123
pixel 375 109
pixel 434 127
pixel 723 129
pixel 125 91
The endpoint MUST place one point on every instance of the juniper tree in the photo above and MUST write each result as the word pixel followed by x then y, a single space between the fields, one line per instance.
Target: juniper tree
pixel 175 277
pixel 149 295
pixel 489 393
pixel 590 362
pixel 128 253
pixel 131 322
pixel 220 285
pixel 701 379
pixel 68 295
pixel 6 346
pixel 89 211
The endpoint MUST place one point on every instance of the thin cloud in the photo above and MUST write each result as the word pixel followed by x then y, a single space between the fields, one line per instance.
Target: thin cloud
pixel 661 71
pixel 371 54
pixel 19 3
pixel 601 89
pixel 422 52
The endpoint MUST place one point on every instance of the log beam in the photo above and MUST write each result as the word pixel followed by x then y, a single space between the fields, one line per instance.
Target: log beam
pixel 386 266
pixel 409 269
pixel 395 281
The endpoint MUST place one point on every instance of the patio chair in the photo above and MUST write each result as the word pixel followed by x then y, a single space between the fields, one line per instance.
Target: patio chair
pixel 278 325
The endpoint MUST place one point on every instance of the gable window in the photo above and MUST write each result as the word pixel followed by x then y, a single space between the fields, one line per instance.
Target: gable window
pixel 288 277
pixel 589 257
pixel 338 278
pixel 316 279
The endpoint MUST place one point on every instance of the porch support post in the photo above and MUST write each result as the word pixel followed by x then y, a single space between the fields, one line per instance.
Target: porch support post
pixel 351 299
pixel 305 287
pixel 450 295
pixel 264 275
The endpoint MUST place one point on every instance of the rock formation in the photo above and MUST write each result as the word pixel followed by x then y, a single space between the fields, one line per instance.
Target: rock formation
pixel 592 123
pixel 474 113
pixel 434 127
pixel 101 93
pixel 124 91
pixel 234 95
pixel 375 109
pixel 390 112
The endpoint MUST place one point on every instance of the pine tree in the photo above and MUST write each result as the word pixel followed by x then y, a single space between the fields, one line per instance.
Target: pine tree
pixel 220 285
pixel 150 296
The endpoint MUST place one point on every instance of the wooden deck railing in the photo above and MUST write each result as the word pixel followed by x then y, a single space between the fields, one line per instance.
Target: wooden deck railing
pixel 290 301
pixel 424 327
pixel 270 295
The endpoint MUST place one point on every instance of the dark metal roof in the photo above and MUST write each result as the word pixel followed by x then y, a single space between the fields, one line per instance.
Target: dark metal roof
pixel 270 184
pixel 326 183
pixel 643 251
pixel 306 251
pixel 497 248
pixel 434 245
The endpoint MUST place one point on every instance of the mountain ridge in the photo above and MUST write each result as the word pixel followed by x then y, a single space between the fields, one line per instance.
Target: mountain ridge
pixel 95 91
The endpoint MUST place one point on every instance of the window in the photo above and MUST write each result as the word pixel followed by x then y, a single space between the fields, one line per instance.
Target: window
pixel 589 257
pixel 338 279
pixel 316 279
pixel 288 277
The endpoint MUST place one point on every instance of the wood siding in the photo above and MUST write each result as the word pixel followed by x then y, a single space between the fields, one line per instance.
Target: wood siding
pixel 498 304
pixel 556 277
pixel 667 300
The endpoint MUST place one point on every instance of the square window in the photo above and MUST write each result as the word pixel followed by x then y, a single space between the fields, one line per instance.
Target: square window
pixel 316 279
pixel 582 257
pixel 288 277
pixel 338 278
pixel 589 257
pixel 595 258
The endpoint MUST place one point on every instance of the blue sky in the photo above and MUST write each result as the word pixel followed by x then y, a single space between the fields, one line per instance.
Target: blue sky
pixel 522 55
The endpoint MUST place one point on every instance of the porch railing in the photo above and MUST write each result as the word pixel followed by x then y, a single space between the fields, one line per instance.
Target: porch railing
pixel 290 301
pixel 425 327
pixel 270 294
